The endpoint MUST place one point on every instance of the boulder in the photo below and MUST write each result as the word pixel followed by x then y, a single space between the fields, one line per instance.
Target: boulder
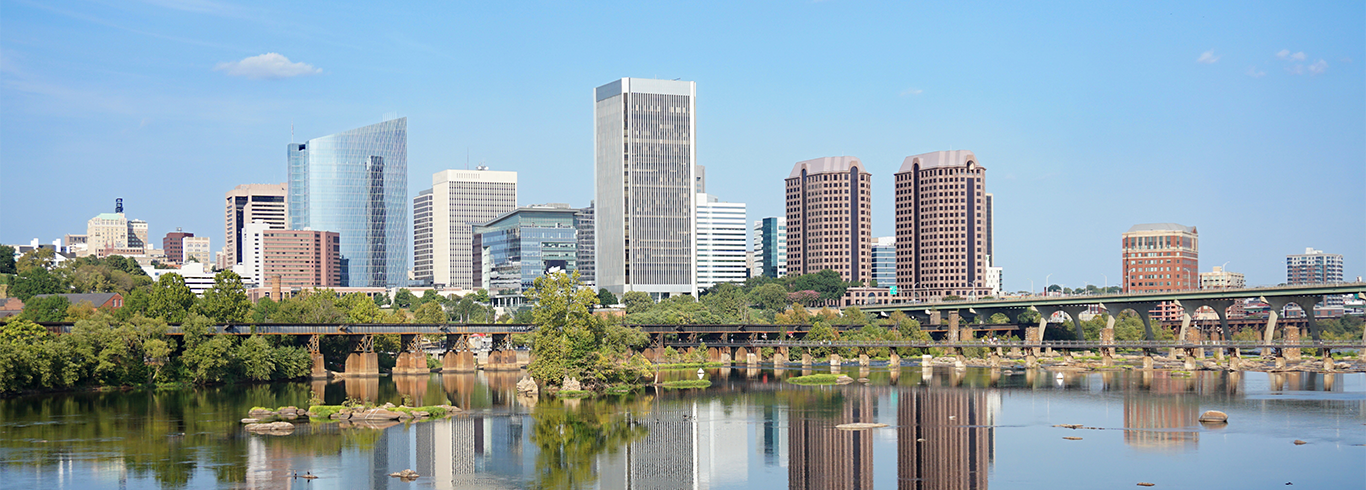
pixel 1213 416
pixel 863 380
pixel 387 405
pixel 527 386
pixel 378 414
pixel 250 421
pixel 343 415
pixel 405 475
pixel 844 380
pixel 1300 443
pixel 272 428
pixel 571 384
pixel 860 426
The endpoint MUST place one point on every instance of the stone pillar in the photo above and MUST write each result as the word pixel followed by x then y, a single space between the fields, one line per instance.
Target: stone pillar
pixel 835 361
pixel 1031 361
pixel 319 370
pixel 806 359
pixel 1193 336
pixel 1218 352
pixel 1147 362
pixel 752 359
pixel 1235 363
pixel 894 361
pixel 994 360
pixel 502 360
pixel 1292 336
pixel 458 362
pixel 362 364
pixel 1107 336
pixel 411 360
pixel 1032 336
pixel 1189 364
pixel 863 360
pixel 1328 364
pixel 779 359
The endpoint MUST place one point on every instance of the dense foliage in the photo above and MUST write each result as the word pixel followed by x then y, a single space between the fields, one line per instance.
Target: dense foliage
pixel 571 342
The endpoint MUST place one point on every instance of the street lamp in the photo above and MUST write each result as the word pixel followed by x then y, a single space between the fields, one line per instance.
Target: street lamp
pixel 1045 283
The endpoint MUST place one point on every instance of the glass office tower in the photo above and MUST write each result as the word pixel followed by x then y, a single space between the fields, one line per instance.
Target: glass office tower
pixel 523 245
pixel 355 183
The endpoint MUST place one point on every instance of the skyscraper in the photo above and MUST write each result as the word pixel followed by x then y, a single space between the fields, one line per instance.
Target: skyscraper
pixel 1161 257
pixel 830 218
pixel 247 203
pixel 720 241
pixel 355 183
pixel 173 245
pixel 941 225
pixel 524 244
pixel 645 179
pixel 884 261
pixel 458 200
pixel 587 236
pixel 770 246
pixel 1315 267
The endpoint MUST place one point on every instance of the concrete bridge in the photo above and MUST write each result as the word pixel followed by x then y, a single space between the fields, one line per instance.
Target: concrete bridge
pixel 1142 304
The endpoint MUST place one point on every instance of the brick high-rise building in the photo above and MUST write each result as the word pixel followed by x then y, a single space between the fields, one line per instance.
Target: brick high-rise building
pixel 245 204
pixel 174 246
pixel 1160 257
pixel 302 259
pixel 943 225
pixel 830 218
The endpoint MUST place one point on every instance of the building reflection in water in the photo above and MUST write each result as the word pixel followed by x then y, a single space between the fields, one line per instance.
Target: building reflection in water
pixel 1163 417
pixel 821 456
pixel 945 439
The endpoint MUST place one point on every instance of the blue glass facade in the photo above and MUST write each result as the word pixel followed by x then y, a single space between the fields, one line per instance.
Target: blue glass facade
pixel 525 244
pixel 356 184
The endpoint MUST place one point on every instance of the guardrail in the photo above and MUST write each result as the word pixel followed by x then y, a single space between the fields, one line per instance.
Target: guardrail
pixel 1077 344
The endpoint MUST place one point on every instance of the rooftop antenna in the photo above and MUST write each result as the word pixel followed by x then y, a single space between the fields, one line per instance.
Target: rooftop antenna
pixel 118 205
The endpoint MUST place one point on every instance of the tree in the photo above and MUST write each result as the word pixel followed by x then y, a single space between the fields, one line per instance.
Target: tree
pixel 827 282
pixel 821 332
pixel 430 312
pixel 226 301
pixel 770 297
pixel 804 297
pixel 727 303
pixel 7 260
pixel 482 296
pixel 171 299
pixel 36 258
pixel 264 310
pixel 404 298
pixel 570 341
pixel 46 309
pixel 258 358
pixel 606 298
pixel 430 295
pixel 33 281
pixel 637 301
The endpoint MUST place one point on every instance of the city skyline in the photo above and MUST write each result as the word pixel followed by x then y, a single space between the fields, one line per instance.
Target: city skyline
pixel 1172 105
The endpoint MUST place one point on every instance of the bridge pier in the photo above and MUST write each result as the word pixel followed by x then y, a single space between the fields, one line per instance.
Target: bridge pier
pixel 835 361
pixel 411 360
pixel 1292 336
pixel 1184 335
pixel 863 359
pixel 319 370
pixel 1147 361
pixel 458 357
pixel 362 361
pixel 1031 361
pixel 894 361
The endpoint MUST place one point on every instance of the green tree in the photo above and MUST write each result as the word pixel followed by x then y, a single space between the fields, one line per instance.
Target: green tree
pixel 7 260
pixel 50 308
pixel 570 341
pixel 405 298
pixel 821 332
pixel 359 308
pixel 171 299
pixel 606 298
pixel 226 301
pixel 827 282
pixel 637 301
pixel 257 357
pixel 34 281
pixel 207 358
pixel 37 258
pixel 429 296
pixel 264 310
pixel 727 303
pixel 430 312
pixel 771 297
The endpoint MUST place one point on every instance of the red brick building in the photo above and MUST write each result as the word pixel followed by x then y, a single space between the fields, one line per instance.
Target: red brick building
pixel 1161 257
pixel 302 259
pixel 174 245
pixel 943 222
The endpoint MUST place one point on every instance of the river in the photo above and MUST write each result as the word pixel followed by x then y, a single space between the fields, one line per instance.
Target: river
pixel 949 429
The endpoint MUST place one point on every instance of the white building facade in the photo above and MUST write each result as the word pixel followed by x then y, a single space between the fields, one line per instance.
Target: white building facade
pixel 443 250
pixel 645 176
pixel 770 247
pixel 720 241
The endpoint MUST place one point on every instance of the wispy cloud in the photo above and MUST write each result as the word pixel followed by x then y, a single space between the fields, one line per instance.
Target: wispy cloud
pixel 912 91
pixel 1207 57
pixel 1255 73
pixel 1318 67
pixel 1285 54
pixel 269 66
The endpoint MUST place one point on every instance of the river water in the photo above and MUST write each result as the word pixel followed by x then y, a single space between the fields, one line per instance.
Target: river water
pixel 949 429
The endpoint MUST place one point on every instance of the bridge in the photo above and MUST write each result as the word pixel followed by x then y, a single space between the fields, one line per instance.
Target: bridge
pixel 1142 304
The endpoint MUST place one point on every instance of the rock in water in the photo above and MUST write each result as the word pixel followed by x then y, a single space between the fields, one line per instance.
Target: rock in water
pixel 571 384
pixel 1145 484
pixel 844 380
pixel 528 386
pixel 859 426
pixel 1213 416
pixel 1072 438
pixel 1300 443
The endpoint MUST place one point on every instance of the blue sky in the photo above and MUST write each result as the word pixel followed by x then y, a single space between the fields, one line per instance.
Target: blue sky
pixel 1246 120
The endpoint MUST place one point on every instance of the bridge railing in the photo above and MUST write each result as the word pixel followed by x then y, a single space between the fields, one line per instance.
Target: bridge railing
pixel 1075 344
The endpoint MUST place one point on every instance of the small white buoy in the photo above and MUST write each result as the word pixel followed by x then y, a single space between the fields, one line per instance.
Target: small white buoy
pixel 1058 376
pixel 700 373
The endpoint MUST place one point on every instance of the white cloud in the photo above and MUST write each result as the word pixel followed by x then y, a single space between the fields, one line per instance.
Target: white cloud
pixel 911 91
pixel 1207 57
pixel 1255 73
pixel 268 66
pixel 1318 67
pixel 1295 70
pixel 1285 54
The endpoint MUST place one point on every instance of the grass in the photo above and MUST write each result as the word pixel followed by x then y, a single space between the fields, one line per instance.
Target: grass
pixel 691 383
pixel 688 365
pixel 1181 373
pixel 573 394
pixel 622 389
pixel 432 412
pixel 324 411
pixel 814 379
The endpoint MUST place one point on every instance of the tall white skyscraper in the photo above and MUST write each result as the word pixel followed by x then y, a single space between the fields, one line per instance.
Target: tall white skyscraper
pixel 444 217
pixel 645 177
pixel 720 241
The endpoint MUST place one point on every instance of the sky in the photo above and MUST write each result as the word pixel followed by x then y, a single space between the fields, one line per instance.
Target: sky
pixel 1246 120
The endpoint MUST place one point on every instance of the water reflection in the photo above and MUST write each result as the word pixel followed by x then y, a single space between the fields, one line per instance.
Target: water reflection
pixel 749 430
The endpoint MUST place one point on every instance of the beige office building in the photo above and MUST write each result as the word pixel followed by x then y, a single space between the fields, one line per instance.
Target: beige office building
pixel 942 226
pixel 830 218
pixel 197 248
pixel 444 217
pixel 245 204
pixel 114 234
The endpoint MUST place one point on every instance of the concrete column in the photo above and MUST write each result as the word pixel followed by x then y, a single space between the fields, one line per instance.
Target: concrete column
pixel 1147 362
pixel 461 361
pixel 834 360
pixel 1292 336
pixel 752 359
pixel 502 360
pixel 1235 363
pixel 1043 325
pixel 806 360
pixel 863 360
pixel 1183 336
pixel 1107 336
pixel 1270 334
pixel 894 361
pixel 319 370
pixel 779 359
pixel 1031 361
pixel 362 364
pixel 411 360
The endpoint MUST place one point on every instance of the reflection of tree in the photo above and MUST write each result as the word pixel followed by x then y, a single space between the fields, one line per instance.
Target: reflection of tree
pixel 570 440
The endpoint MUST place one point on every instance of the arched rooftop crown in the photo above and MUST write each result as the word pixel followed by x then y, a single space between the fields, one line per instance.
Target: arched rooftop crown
pixel 826 165
pixel 939 159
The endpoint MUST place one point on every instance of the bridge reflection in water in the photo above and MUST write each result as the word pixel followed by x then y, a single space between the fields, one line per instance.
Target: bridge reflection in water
pixel 750 425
